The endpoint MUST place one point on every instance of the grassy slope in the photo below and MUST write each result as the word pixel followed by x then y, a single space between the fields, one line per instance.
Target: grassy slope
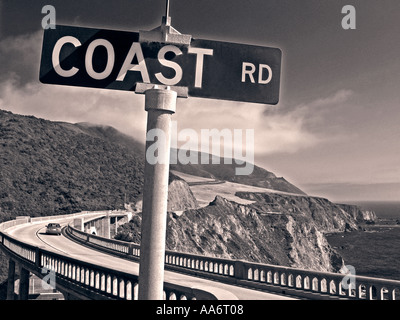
pixel 55 168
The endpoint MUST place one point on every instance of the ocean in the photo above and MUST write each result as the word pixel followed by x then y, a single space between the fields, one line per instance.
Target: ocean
pixel 375 250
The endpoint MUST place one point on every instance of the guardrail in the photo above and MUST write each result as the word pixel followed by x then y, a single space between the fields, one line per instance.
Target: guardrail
pixel 86 279
pixel 295 281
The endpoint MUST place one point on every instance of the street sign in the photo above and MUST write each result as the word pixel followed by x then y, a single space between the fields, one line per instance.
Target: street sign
pixel 111 59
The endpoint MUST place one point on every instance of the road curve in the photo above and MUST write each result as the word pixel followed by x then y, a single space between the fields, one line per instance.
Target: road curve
pixel 34 233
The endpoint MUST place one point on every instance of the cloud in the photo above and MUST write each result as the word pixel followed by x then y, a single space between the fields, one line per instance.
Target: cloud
pixel 316 110
pixel 123 111
pixel 336 98
pixel 21 92
pixel 275 133
pixel 320 119
pixel 277 129
pixel 20 58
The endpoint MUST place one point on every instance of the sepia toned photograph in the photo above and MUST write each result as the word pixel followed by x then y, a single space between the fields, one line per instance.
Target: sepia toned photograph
pixel 161 150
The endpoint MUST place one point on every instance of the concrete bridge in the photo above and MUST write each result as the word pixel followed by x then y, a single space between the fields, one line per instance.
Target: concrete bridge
pixel 104 225
pixel 85 264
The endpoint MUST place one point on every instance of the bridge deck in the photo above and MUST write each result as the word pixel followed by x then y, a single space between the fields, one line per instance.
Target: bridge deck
pixel 35 235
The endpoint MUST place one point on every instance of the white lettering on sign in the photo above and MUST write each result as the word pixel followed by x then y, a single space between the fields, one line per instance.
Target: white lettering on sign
pixel 136 51
pixel 56 56
pixel 167 63
pixel 260 74
pixel 248 69
pixel 200 52
pixel 89 59
pixel 249 72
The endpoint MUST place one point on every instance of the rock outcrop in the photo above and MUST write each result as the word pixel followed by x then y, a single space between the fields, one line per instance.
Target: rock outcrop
pixel 180 197
pixel 327 216
pixel 358 214
pixel 231 230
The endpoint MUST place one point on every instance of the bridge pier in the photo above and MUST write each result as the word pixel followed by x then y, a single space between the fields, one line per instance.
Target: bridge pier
pixel 23 284
pixel 106 227
pixel 11 280
pixel 78 224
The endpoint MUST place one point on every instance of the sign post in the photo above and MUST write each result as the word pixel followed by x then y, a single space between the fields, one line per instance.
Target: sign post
pixel 160 105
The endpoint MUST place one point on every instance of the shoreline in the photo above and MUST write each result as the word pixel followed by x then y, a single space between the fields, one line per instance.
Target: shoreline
pixel 372 249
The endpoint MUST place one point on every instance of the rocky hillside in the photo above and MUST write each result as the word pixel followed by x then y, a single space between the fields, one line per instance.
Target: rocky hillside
pixel 180 197
pixel 275 229
pixel 55 168
pixel 327 216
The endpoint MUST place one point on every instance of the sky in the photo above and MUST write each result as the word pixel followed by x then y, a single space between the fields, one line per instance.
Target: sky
pixel 335 131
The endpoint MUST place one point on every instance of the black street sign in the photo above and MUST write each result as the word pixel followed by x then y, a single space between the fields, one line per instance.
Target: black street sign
pixel 109 59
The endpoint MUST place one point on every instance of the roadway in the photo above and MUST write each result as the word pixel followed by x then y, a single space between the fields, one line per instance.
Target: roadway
pixel 34 234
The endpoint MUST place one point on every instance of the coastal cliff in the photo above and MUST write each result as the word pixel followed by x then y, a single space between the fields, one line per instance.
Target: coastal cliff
pixel 359 215
pixel 276 229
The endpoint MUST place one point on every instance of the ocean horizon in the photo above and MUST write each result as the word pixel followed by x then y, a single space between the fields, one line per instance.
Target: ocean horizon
pixel 383 209
pixel 373 251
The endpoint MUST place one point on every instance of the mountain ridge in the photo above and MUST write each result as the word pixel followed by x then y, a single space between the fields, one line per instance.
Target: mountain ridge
pixel 53 167
pixel 259 177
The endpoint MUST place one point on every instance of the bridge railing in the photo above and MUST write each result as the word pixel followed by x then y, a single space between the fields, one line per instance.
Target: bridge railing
pixel 256 275
pixel 87 279
pixel 332 284
pixel 122 247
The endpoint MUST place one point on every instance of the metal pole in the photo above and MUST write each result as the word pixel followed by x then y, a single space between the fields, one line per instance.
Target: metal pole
pixel 167 9
pixel 160 105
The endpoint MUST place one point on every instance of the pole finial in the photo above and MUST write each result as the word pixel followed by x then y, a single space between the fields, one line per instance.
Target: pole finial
pixel 165 32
